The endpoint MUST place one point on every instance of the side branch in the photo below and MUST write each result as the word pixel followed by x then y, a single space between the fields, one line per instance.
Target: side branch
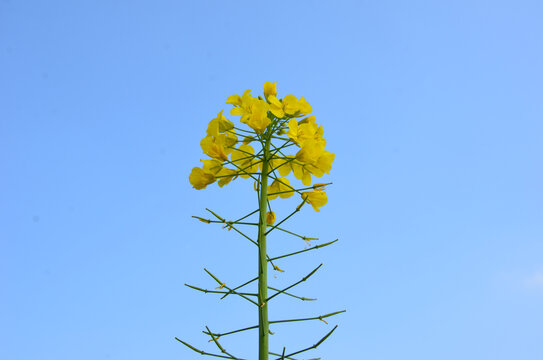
pixel 305 238
pixel 219 345
pixel 217 292
pixel 239 287
pixel 321 317
pixel 285 357
pixel 296 283
pixel 201 352
pixel 294 296
pixel 230 225
pixel 285 219
pixel 301 251
pixel 223 285
pixel 311 347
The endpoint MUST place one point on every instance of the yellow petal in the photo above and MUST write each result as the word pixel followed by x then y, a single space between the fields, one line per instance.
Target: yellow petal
pixel 292 133
pixel 306 179
pixel 276 107
pixel 304 106
pixel 234 100
pixel 270 89
pixel 309 119
pixel 291 104
pixel 237 111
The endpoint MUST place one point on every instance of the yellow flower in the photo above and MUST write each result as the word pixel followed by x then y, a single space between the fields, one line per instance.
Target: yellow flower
pixel 212 166
pixel 322 165
pixel 211 171
pixel 270 217
pixel 199 179
pixel 243 158
pixel 219 125
pixel 226 175
pixel 294 107
pixel 270 89
pixel 291 104
pixel 253 111
pixel 310 152
pixel 304 106
pixel 220 146
pixel 213 148
pixel 242 104
pixel 258 120
pixel 305 130
pixel 280 187
pixel 316 198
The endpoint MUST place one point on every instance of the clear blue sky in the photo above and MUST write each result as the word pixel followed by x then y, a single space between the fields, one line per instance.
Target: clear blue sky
pixel 433 109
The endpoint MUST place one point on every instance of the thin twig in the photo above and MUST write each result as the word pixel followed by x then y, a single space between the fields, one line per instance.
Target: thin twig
pixel 226 287
pixel 217 292
pixel 301 251
pixel 314 346
pixel 293 285
pixel 203 352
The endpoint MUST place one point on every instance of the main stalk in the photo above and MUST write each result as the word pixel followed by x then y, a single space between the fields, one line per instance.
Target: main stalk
pixel 263 325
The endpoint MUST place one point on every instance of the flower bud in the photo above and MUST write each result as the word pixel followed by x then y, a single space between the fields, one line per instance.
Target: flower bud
pixel 270 218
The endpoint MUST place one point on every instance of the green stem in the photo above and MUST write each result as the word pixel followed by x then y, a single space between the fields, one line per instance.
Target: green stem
pixel 263 324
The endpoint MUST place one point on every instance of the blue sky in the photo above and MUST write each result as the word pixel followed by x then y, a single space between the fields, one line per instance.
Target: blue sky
pixel 433 110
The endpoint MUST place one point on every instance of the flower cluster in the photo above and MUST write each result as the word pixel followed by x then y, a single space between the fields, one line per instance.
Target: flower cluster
pixel 271 120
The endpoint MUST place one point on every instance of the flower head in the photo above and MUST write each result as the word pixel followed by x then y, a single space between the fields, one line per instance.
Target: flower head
pixel 269 119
